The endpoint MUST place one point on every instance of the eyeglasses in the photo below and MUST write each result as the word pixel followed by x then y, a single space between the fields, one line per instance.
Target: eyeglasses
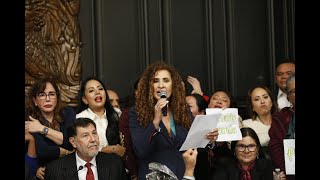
pixel 242 147
pixel 43 96
pixel 293 92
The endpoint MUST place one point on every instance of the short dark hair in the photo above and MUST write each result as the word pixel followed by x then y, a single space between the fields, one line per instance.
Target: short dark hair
pixel 285 60
pixel 201 102
pixel 246 131
pixel 80 122
pixel 233 104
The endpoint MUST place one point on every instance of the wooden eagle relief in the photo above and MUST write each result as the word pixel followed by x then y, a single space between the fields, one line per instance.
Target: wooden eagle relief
pixel 52 45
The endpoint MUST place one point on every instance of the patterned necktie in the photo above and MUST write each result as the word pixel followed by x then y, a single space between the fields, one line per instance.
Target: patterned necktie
pixel 90 175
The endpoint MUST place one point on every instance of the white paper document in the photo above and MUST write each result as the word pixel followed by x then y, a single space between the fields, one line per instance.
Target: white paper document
pixel 228 123
pixel 202 125
pixel 289 155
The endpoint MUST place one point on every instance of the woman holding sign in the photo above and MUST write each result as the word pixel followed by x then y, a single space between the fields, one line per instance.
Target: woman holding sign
pixel 221 153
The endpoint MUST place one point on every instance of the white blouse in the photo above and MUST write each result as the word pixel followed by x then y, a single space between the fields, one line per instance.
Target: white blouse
pixel 261 129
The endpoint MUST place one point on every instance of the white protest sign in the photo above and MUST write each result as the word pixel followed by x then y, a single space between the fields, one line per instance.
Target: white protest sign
pixel 289 155
pixel 228 124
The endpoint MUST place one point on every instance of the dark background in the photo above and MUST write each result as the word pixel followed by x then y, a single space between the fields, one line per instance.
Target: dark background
pixel 226 44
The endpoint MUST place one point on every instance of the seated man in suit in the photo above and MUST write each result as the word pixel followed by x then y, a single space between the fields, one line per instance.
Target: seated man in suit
pixel 86 160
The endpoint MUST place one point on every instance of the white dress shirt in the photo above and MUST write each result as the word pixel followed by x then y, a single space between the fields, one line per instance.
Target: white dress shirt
pixel 282 100
pixel 101 123
pixel 83 172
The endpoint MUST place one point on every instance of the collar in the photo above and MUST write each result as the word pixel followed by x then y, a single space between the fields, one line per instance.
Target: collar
pixel 94 116
pixel 280 92
pixel 81 162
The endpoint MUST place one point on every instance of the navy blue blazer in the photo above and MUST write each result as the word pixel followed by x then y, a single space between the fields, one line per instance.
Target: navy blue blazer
pixel 48 150
pixel 152 146
pixel 109 166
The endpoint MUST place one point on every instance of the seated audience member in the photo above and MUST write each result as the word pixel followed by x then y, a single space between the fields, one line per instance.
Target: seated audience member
pixel 283 127
pixel 249 162
pixel 261 106
pixel 283 71
pixel 31 160
pixel 95 104
pixel 221 153
pixel 198 105
pixel 86 160
pixel 114 100
pixel 158 136
pixel 48 121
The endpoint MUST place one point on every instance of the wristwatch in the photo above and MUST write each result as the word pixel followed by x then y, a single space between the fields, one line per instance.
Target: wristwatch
pixel 45 131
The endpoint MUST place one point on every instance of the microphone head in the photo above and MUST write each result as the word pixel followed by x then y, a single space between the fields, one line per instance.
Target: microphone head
pixel 163 94
pixel 80 168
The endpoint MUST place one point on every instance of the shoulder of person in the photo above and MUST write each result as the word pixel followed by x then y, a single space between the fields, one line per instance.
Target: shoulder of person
pixel 132 111
pixel 67 110
pixel 263 162
pixel 60 161
pixel 247 121
pixel 83 113
pixel 108 157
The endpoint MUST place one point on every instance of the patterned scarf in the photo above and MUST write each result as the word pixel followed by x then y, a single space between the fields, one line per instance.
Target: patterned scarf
pixel 245 174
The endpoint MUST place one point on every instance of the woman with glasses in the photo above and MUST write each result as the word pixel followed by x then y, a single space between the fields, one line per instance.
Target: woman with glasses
pixel 47 119
pixel 249 162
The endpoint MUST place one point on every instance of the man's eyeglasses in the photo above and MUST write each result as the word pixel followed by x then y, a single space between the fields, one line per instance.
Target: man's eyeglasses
pixel 242 147
pixel 293 92
pixel 43 96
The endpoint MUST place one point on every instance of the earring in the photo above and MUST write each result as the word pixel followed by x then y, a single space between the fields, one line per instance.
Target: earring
pixel 35 104
pixel 257 156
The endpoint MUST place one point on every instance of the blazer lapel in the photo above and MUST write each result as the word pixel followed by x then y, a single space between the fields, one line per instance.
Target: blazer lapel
pixel 165 133
pixel 70 168
pixel 103 171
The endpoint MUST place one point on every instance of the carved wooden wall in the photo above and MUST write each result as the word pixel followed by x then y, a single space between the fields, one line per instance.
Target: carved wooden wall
pixel 52 45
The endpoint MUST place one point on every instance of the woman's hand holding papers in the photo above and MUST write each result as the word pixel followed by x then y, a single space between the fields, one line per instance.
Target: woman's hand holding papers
pixel 213 135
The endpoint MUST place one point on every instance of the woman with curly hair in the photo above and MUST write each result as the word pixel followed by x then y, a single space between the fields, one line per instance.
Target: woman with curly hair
pixel 158 137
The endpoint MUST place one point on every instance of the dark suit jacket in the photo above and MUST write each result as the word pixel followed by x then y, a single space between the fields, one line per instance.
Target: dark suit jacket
pixel 109 166
pixel 262 171
pixel 47 150
pixel 157 147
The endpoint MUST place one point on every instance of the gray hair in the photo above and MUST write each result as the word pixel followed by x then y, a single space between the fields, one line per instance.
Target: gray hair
pixel 290 79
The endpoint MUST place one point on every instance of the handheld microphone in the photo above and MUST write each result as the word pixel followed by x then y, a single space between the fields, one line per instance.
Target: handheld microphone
pixel 163 94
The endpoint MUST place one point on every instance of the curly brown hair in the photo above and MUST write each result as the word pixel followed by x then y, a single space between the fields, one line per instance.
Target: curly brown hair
pixel 145 101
